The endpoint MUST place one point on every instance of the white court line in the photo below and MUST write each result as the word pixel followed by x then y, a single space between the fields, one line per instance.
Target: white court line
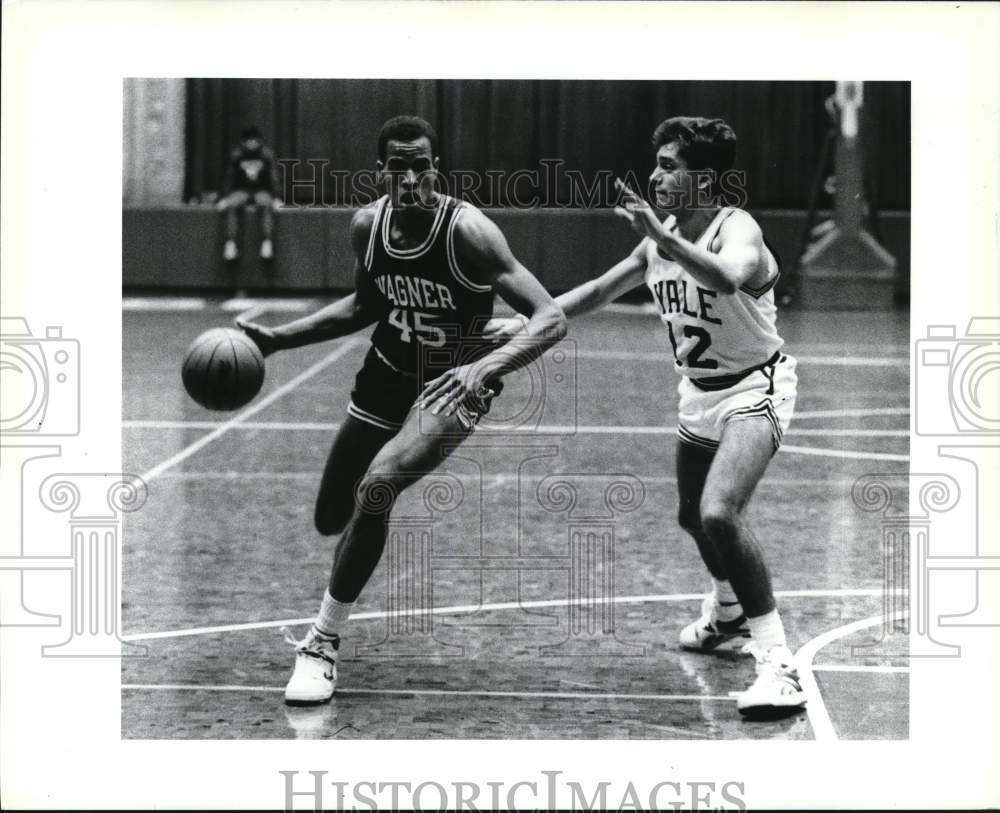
pixel 567 429
pixel 843 454
pixel 850 413
pixel 135 303
pixel 265 402
pixel 498 479
pixel 259 306
pixel 188 687
pixel 280 426
pixel 819 717
pixel 849 667
pixel 816 361
pixel 471 608
pixel 251 313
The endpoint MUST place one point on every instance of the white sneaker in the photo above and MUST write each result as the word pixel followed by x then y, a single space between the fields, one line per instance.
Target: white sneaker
pixel 266 250
pixel 776 692
pixel 229 251
pixel 315 675
pixel 709 633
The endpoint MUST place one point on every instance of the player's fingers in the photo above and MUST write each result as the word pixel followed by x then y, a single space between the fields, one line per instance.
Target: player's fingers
pixel 436 388
pixel 455 399
pixel 494 329
pixel 626 191
pixel 461 398
pixel 444 403
pixel 624 214
pixel 428 395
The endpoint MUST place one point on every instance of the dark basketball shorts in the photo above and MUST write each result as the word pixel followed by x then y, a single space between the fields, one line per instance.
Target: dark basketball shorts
pixel 383 396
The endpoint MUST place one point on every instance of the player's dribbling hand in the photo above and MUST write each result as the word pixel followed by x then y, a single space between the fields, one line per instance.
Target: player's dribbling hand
pixel 262 336
pixel 500 329
pixel 448 392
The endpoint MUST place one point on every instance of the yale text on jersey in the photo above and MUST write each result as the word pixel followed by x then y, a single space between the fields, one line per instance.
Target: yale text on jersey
pixel 673 296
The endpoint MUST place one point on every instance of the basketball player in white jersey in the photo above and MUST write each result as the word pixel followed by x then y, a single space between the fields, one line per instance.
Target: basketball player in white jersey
pixel 711 275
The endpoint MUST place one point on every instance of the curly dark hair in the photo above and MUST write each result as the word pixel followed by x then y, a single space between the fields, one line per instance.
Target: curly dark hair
pixel 705 144
pixel 406 128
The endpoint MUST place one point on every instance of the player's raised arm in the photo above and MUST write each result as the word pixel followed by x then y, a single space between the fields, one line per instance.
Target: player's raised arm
pixel 734 264
pixel 340 318
pixel 483 254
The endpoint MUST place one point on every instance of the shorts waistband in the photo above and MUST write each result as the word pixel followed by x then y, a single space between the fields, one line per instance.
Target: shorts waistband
pixel 724 382
pixel 390 365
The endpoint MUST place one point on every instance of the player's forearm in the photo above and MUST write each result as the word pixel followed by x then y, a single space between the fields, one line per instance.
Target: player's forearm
pixel 707 268
pixel 545 328
pixel 340 318
pixel 583 299
pixel 603 290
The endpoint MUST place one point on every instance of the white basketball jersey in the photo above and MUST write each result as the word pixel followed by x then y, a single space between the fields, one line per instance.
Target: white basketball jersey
pixel 713 334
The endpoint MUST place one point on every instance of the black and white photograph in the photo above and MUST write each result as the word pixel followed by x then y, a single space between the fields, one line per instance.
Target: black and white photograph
pixel 544 395
pixel 498 406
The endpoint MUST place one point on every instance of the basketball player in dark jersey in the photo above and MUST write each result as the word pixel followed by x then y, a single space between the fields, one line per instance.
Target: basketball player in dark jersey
pixel 426 269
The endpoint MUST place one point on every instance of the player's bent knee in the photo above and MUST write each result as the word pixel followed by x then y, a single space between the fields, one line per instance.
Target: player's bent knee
pixel 689 520
pixel 332 519
pixel 378 490
pixel 719 517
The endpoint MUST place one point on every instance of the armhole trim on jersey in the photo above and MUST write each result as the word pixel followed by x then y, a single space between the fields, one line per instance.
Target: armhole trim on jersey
pixel 757 293
pixel 424 247
pixel 453 259
pixel 376 225
pixel 724 214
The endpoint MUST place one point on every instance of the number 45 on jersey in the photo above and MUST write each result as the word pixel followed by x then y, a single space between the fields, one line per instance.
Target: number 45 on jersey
pixel 426 333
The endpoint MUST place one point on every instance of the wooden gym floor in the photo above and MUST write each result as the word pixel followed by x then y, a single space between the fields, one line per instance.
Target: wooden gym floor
pixel 504 611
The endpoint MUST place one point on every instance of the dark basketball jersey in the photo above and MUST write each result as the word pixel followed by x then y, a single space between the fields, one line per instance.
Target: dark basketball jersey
pixel 434 313
pixel 251 171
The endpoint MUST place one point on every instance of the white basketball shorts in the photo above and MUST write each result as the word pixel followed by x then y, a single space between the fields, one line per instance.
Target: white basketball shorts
pixel 707 405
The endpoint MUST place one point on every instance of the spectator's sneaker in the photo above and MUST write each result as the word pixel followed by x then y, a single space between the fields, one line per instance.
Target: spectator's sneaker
pixel 315 675
pixel 266 250
pixel 229 251
pixel 776 692
pixel 709 633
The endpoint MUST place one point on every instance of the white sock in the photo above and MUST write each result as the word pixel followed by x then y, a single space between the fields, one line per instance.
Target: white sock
pixel 332 616
pixel 727 605
pixel 767 630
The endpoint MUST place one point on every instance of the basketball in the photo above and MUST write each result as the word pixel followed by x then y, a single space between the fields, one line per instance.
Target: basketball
pixel 223 369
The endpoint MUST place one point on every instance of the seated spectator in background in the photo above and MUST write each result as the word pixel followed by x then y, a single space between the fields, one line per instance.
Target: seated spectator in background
pixel 250 178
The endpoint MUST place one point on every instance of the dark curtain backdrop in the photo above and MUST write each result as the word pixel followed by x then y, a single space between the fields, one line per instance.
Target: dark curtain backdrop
pixel 502 125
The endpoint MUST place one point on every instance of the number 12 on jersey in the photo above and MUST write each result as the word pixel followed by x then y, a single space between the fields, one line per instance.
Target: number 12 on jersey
pixel 427 334
pixel 694 359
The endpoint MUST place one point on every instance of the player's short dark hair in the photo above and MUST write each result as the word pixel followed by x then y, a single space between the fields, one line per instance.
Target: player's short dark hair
pixel 406 128
pixel 251 131
pixel 704 143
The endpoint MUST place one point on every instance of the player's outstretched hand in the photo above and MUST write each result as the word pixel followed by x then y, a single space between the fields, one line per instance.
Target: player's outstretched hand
pixel 640 215
pixel 500 329
pixel 263 336
pixel 448 392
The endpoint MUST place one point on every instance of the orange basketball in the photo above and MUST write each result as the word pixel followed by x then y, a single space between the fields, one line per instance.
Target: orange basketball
pixel 223 369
